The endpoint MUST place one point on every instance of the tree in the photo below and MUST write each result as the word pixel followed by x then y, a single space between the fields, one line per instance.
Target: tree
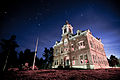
pixel 41 63
pixel 113 61
pixel 50 61
pixel 48 55
pixel 8 56
pixel 21 57
pixel 27 57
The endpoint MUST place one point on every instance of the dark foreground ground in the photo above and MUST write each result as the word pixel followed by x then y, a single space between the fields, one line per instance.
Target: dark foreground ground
pixel 99 74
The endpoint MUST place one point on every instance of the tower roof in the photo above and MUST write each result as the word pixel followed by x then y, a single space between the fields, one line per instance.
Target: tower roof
pixel 67 22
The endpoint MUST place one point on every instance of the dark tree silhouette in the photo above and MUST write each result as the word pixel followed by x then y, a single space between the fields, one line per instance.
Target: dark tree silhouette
pixel 48 55
pixel 21 57
pixel 45 55
pixel 27 57
pixel 113 61
pixel 41 63
pixel 8 57
pixel 50 61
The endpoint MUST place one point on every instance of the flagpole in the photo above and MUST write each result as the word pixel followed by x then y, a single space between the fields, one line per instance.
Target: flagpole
pixel 35 55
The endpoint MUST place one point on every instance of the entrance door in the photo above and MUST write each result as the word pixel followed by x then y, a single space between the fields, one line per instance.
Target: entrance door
pixel 67 62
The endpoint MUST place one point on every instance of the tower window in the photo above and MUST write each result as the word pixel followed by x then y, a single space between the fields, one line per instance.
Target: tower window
pixel 79 33
pixel 65 30
pixel 69 30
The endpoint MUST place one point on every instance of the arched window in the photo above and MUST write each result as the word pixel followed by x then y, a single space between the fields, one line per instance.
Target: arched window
pixel 65 30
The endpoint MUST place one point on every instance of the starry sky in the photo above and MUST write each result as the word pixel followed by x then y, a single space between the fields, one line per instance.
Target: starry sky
pixel 29 19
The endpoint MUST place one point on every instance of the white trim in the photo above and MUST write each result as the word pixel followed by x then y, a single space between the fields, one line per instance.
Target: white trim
pixel 84 67
pixel 96 39
pixel 82 33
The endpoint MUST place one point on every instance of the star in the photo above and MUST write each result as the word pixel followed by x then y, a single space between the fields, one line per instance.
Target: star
pixel 81 14
pixel 39 24
pixel 5 12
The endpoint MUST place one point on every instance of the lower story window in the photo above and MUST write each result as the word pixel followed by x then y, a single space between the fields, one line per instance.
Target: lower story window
pixel 73 62
pixel 81 59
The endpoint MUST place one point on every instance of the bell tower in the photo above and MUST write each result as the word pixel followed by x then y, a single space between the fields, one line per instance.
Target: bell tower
pixel 67 29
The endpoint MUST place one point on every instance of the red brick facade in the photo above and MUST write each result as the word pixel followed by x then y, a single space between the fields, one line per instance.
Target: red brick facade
pixel 81 50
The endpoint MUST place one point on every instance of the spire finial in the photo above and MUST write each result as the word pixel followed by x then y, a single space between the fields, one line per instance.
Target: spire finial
pixel 67 22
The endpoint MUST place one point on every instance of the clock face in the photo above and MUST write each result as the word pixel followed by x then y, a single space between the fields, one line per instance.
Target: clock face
pixel 65 41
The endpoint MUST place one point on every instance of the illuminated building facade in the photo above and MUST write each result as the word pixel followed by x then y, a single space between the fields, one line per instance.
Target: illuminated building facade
pixel 80 50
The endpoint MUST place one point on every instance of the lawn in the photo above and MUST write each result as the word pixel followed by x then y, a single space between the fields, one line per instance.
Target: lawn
pixel 52 74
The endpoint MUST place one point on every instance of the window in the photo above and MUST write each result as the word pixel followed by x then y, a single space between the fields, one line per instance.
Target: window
pixel 94 58
pixel 86 58
pixel 61 61
pixel 78 33
pixel 81 44
pixel 72 47
pixel 73 61
pixel 98 60
pixel 69 36
pixel 55 62
pixel 73 58
pixel 66 48
pixel 65 30
pixel 81 59
pixel 56 51
pixel 61 49
pixel 69 30
pixel 91 44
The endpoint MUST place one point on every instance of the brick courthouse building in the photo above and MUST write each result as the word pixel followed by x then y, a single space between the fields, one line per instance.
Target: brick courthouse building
pixel 80 50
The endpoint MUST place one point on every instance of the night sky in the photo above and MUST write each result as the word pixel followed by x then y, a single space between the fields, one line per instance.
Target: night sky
pixel 29 19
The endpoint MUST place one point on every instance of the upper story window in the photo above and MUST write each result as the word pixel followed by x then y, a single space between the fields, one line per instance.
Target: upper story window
pixel 70 30
pixel 91 44
pixel 56 51
pixel 66 49
pixel 61 50
pixel 72 47
pixel 81 44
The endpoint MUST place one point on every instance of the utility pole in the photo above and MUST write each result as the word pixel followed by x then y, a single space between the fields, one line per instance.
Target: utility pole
pixel 6 62
pixel 35 55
